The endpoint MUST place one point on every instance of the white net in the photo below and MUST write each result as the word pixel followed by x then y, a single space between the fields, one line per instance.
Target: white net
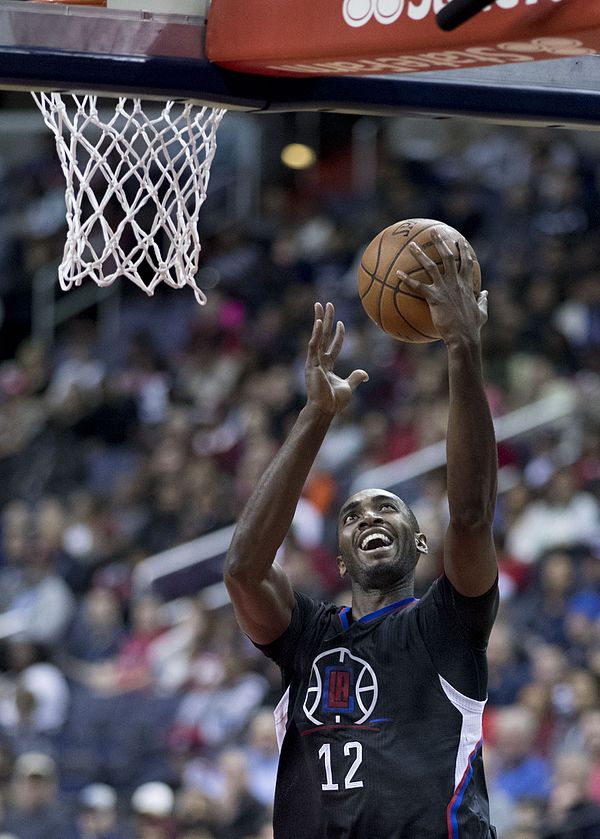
pixel 135 186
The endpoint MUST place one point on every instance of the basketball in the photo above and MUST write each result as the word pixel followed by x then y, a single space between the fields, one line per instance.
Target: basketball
pixel 394 308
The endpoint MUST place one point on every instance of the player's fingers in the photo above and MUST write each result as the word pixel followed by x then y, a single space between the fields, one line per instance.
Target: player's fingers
pixel 336 344
pixel 314 345
pixel 411 283
pixel 357 377
pixel 427 263
pixel 327 325
pixel 443 243
pixel 466 258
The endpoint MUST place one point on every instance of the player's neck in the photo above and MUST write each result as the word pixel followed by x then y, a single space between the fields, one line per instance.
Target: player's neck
pixel 365 602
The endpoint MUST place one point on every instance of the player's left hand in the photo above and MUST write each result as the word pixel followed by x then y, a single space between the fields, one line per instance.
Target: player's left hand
pixel 324 388
pixel 456 311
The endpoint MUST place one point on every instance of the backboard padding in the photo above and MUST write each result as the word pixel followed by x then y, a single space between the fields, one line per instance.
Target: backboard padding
pixel 160 56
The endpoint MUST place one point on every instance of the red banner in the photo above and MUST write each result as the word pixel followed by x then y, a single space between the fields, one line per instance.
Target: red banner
pixel 364 37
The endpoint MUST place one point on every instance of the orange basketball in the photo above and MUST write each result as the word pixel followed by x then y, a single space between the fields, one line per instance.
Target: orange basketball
pixel 397 310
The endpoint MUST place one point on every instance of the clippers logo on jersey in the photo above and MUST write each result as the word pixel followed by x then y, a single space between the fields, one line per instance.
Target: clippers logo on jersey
pixel 341 687
pixel 359 12
pixel 338 686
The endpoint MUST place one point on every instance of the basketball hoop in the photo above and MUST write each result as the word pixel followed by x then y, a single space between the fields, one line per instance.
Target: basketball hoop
pixel 134 189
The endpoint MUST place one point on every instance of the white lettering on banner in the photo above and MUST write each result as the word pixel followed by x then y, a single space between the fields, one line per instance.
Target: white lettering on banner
pixel 418 11
pixel 555 46
pixel 358 13
pixel 508 53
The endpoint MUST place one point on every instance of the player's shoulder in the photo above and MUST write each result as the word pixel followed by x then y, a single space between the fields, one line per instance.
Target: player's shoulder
pixel 314 613
pixel 441 592
pixel 438 593
pixel 311 619
pixel 315 605
pixel 443 608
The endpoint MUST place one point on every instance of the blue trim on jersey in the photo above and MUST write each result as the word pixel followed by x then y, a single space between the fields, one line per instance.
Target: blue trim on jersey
pixel 460 791
pixel 391 607
pixel 344 613
pixel 344 617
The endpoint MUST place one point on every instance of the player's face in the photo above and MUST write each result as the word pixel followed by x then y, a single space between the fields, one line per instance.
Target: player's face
pixel 378 542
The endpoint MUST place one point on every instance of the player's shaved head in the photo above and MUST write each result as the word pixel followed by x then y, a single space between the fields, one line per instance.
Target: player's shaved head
pixel 354 501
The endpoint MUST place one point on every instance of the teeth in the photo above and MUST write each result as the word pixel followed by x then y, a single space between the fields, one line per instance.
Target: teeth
pixel 371 537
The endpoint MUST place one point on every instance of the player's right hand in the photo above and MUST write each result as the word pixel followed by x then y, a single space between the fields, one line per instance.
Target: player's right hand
pixel 456 312
pixel 325 390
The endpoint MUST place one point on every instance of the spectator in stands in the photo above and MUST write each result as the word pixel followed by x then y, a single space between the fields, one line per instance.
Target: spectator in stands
pixel 520 773
pixel 525 820
pixel 98 628
pixel 565 516
pixel 215 714
pixel 194 814
pixel 131 668
pixel 585 690
pixel 238 813
pixel 22 414
pixel 22 733
pixel 34 691
pixel 78 371
pixel 540 611
pixel 581 625
pixel 97 814
pixel 144 377
pixel 262 756
pixel 42 604
pixel 571 813
pixel 16 523
pixel 508 667
pixel 586 740
pixel 152 808
pixel 578 317
pixel 35 810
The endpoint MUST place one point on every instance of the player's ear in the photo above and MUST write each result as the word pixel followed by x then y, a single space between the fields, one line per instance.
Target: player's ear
pixel 341 566
pixel 421 543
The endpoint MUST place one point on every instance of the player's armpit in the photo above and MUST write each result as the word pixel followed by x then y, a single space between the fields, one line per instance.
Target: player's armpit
pixel 263 608
pixel 470 559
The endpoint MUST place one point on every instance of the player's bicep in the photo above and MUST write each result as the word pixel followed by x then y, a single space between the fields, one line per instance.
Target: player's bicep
pixel 470 559
pixel 263 608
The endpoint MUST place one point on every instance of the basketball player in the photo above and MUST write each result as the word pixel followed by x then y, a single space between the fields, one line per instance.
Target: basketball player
pixel 380 723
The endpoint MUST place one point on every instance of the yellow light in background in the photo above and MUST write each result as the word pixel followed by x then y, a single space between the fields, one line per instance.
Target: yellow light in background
pixel 298 156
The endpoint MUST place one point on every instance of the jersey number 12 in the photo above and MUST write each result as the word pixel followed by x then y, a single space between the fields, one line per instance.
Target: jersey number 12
pixel 350 750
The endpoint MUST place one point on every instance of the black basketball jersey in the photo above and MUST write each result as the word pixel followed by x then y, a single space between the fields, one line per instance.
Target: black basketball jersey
pixel 380 726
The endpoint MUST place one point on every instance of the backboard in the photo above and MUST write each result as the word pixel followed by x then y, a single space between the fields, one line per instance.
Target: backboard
pixel 158 54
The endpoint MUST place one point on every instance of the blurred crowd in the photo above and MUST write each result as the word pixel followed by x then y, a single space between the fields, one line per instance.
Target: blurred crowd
pixel 126 717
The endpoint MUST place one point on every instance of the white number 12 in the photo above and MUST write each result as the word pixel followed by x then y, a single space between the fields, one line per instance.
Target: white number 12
pixel 349 782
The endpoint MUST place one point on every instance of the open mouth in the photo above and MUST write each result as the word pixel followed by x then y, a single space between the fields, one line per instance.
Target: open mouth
pixel 375 540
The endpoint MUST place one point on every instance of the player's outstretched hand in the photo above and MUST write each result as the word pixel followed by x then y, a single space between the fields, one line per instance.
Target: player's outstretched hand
pixel 456 312
pixel 326 390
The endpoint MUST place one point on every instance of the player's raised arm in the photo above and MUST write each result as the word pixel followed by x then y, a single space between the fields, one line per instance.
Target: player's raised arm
pixel 458 315
pixel 260 592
